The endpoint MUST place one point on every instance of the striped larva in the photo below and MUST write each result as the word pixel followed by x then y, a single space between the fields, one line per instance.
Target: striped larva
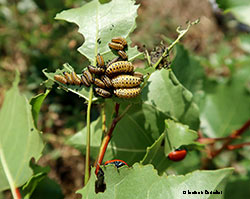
pixel 106 81
pixel 126 81
pixel 122 54
pixel 68 78
pixel 119 40
pixel 103 93
pixel 127 92
pixel 100 61
pixel 96 70
pixel 99 83
pixel 76 79
pixel 85 81
pixel 116 46
pixel 88 76
pixel 120 67
pixel 60 79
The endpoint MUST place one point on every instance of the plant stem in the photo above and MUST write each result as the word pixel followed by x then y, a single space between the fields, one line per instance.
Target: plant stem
pixel 87 161
pixel 103 118
pixel 108 136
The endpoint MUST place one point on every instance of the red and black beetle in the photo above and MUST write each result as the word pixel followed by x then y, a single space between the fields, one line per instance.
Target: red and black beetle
pixel 116 162
pixel 177 155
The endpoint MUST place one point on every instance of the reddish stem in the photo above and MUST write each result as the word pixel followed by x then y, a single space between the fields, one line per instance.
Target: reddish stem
pixel 107 138
pixel 237 146
pixel 18 194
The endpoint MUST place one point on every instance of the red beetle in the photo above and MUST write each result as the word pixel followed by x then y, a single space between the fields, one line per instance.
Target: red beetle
pixel 116 162
pixel 177 155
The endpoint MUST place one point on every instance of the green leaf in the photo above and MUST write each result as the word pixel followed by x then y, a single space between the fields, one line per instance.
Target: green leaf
pixel 176 135
pixel 20 140
pixel 155 155
pixel 137 130
pixel 143 182
pixel 165 93
pixel 36 103
pixel 226 106
pixel 82 91
pixel 188 70
pixel 240 9
pixel 100 22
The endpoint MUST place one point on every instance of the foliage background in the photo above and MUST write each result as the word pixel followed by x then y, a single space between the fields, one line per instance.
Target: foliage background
pixel 31 40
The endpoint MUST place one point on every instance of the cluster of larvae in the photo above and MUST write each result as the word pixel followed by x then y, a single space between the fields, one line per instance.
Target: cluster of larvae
pixel 117 77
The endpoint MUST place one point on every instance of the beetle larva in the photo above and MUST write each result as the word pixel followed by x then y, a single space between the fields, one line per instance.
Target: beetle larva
pixel 106 81
pixel 85 81
pixel 76 79
pixel 126 81
pixel 96 70
pixel 120 67
pixel 99 83
pixel 122 54
pixel 100 60
pixel 116 46
pixel 60 79
pixel 102 92
pixel 68 78
pixel 138 74
pixel 88 76
pixel 112 61
pixel 127 92
pixel 119 40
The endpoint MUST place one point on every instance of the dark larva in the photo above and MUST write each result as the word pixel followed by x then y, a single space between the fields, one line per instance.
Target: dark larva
pixel 112 61
pixel 60 79
pixel 127 92
pixel 85 81
pixel 120 67
pixel 138 74
pixel 96 70
pixel 116 46
pixel 106 81
pixel 99 83
pixel 88 76
pixel 102 92
pixel 126 81
pixel 76 79
pixel 100 61
pixel 68 78
pixel 122 54
pixel 119 40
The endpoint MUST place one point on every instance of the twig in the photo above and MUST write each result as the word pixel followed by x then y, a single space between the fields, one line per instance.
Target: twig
pixel 87 161
pixel 108 136
pixel 237 146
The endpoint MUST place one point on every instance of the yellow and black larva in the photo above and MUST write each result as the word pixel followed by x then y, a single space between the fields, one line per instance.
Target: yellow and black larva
pixel 60 79
pixel 119 67
pixel 116 46
pixel 85 81
pixel 138 74
pixel 99 83
pixel 96 70
pixel 119 40
pixel 102 92
pixel 100 61
pixel 76 79
pixel 122 54
pixel 88 76
pixel 127 92
pixel 126 81
pixel 106 81
pixel 68 78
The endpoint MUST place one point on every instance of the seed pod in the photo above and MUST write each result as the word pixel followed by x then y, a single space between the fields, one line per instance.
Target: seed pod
pixel 116 46
pixel 106 81
pixel 85 81
pixel 126 81
pixel 138 74
pixel 119 40
pixel 122 54
pixel 88 76
pixel 99 83
pixel 96 70
pixel 76 79
pixel 68 78
pixel 100 60
pixel 60 79
pixel 127 92
pixel 120 67
pixel 102 92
